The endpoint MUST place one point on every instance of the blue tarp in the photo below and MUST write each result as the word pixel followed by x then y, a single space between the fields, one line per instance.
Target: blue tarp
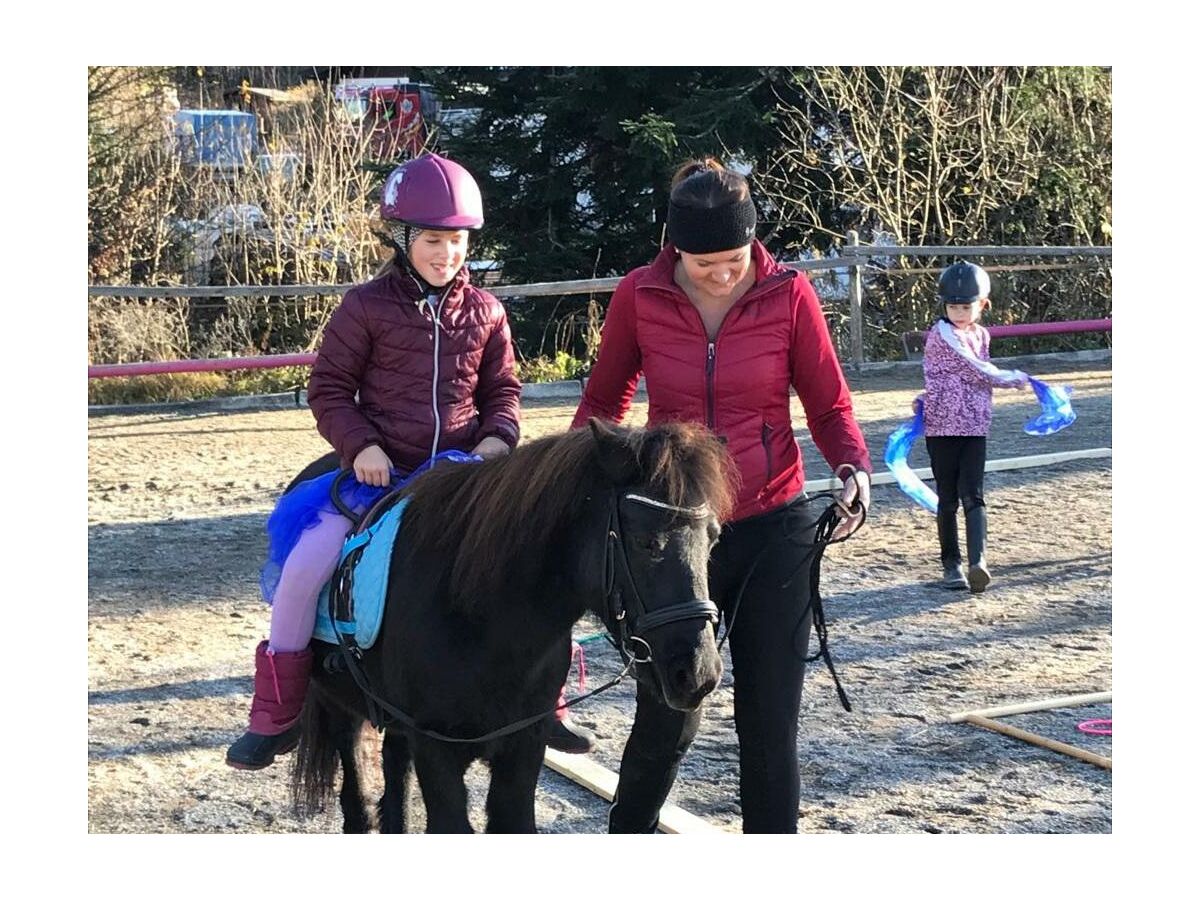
pixel 226 138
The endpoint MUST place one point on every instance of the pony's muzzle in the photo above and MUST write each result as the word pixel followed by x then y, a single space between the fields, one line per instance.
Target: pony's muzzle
pixel 688 677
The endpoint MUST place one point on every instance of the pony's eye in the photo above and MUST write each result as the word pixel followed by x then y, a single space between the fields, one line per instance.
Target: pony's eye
pixel 653 545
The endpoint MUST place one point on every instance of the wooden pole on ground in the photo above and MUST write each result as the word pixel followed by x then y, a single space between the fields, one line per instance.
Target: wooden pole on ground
pixel 1029 737
pixel 994 465
pixel 996 712
pixel 603 782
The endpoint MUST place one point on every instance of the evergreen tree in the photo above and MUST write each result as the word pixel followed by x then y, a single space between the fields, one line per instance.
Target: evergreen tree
pixel 575 163
pixel 575 167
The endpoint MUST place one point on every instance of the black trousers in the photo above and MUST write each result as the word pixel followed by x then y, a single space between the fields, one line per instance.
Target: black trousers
pixel 957 464
pixel 768 644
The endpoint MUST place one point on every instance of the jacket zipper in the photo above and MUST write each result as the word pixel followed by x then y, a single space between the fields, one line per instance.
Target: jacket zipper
pixel 709 367
pixel 766 442
pixel 436 314
pixel 711 360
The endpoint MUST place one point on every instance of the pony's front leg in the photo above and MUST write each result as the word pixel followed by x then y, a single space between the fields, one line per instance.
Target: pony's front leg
pixel 440 770
pixel 397 782
pixel 515 769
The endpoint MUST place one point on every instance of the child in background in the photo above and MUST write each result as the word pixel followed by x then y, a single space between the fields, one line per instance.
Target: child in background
pixel 958 415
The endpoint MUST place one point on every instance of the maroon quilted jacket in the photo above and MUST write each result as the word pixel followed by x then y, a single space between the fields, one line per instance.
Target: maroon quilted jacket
pixel 774 338
pixel 429 376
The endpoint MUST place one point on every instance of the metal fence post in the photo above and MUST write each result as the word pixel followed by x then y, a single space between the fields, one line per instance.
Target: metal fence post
pixel 856 323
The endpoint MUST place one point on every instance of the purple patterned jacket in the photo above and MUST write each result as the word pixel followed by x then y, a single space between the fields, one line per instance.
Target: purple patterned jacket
pixel 958 397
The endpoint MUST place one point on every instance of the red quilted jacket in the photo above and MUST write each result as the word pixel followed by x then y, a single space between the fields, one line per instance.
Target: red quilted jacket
pixel 427 377
pixel 773 338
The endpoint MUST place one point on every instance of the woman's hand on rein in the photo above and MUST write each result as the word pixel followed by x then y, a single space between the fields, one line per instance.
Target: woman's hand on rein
pixel 373 467
pixel 854 501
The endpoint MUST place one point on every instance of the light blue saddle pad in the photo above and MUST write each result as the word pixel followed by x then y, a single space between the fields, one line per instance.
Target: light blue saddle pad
pixel 370 582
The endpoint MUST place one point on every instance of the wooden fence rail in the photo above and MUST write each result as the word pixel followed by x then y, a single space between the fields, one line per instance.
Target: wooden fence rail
pixel 854 259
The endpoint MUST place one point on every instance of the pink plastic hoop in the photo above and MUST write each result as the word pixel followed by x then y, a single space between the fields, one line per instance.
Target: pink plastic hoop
pixel 1096 726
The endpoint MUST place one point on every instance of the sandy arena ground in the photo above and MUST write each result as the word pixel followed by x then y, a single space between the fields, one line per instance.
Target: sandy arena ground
pixel 176 506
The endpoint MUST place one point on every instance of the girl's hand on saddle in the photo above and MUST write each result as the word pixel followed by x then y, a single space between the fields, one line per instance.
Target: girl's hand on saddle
pixel 373 467
pixel 854 501
pixel 491 447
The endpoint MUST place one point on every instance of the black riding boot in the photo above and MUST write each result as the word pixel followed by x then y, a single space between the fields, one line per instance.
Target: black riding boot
pixel 952 571
pixel 567 737
pixel 978 575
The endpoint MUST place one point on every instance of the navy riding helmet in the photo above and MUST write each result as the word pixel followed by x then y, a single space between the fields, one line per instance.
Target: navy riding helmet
pixel 963 282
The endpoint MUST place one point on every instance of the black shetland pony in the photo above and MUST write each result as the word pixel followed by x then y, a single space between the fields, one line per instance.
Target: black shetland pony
pixel 494 564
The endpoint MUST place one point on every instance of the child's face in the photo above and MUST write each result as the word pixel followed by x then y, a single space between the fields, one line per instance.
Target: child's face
pixel 963 315
pixel 438 255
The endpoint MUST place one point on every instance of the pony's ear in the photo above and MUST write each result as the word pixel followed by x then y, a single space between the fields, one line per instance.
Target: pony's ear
pixel 617 458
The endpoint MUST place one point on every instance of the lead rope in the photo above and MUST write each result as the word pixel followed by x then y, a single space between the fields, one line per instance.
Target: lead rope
pixel 403 718
pixel 823 530
pixel 822 538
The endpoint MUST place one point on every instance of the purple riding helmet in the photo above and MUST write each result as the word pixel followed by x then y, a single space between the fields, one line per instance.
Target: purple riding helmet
pixel 432 192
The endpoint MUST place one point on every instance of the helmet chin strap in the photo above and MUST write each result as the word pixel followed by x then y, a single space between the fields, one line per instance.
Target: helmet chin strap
pixel 406 263
pixel 399 237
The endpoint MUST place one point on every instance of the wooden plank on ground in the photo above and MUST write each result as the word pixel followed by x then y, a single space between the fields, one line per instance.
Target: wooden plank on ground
pixel 995 465
pixel 995 712
pixel 603 782
pixel 1030 738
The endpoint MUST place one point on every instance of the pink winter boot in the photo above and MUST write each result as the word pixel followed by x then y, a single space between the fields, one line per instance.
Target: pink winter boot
pixel 562 734
pixel 280 683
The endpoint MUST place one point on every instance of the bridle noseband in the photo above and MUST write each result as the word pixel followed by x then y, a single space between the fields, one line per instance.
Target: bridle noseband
pixel 627 617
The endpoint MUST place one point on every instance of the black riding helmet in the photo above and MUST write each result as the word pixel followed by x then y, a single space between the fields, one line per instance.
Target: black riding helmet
pixel 963 282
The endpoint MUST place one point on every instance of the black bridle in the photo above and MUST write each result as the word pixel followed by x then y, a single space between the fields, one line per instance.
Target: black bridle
pixel 627 616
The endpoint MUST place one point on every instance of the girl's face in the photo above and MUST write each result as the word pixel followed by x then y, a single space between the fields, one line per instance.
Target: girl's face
pixel 964 315
pixel 438 255
pixel 716 274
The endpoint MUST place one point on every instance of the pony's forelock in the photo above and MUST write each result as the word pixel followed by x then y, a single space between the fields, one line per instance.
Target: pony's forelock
pixel 687 466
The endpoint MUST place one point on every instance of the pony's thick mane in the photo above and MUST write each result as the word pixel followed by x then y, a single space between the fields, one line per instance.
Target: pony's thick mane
pixel 477 516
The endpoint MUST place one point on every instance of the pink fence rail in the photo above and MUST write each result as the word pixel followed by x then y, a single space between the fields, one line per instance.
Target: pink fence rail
pixel 275 361
pixel 1036 329
pixel 914 341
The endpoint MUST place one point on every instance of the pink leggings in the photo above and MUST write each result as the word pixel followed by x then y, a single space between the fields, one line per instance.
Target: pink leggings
pixel 307 568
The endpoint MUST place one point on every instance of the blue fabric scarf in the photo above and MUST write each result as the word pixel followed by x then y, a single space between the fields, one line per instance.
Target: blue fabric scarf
pixel 1056 415
pixel 301 508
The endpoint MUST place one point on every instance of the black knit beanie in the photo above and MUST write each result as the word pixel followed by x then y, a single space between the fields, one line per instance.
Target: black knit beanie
pixel 725 227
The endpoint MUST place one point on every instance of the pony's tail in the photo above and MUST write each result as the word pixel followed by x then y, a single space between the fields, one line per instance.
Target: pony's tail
pixel 314 769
